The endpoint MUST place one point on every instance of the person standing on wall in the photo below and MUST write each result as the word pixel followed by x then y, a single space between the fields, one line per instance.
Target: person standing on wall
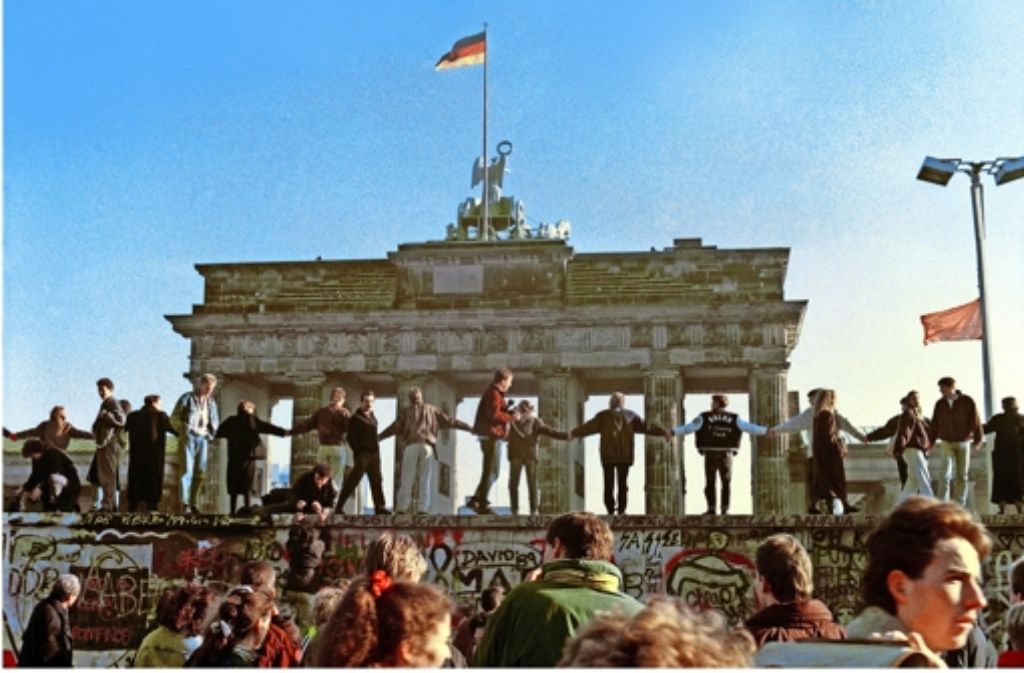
pixel 618 428
pixel 956 431
pixel 718 440
pixel 196 419
pixel 362 437
pixel 331 425
pixel 244 433
pixel 523 434
pixel 1008 457
pixel 104 470
pixel 492 418
pixel 416 429
pixel 803 422
pixel 147 430
pixel 56 432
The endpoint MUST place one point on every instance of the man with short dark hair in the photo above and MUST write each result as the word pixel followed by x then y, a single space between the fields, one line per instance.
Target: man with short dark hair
pixel 362 438
pixel 578 580
pixel 314 492
pixel 491 425
pixel 718 440
pixel 956 430
pixel 53 482
pixel 923 575
pixel 47 641
pixel 617 427
pixel 783 589
pixel 103 473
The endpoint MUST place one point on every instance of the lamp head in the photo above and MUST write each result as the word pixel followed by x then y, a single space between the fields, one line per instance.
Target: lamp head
pixel 1010 170
pixel 938 171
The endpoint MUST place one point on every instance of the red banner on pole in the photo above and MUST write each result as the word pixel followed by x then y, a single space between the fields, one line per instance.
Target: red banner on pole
pixel 960 323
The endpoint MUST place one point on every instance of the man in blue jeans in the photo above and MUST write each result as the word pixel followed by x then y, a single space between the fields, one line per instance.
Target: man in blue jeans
pixel 956 432
pixel 196 419
pixel 492 418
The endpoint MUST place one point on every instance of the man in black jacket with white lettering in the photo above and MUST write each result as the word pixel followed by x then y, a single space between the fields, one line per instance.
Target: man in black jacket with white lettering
pixel 718 439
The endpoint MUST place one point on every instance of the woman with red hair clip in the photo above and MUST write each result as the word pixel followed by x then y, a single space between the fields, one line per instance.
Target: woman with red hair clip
pixel 388 624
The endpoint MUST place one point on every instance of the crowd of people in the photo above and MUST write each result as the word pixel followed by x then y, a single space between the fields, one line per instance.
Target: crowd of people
pixel 954 428
pixel 921 592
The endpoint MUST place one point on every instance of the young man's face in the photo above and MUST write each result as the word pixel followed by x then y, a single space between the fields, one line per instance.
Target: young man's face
pixel 943 604
pixel 947 391
pixel 104 392
pixel 367 403
pixel 206 388
pixel 320 480
pixel 505 384
pixel 337 397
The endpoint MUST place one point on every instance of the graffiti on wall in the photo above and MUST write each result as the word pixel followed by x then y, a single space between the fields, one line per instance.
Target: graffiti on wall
pixel 126 564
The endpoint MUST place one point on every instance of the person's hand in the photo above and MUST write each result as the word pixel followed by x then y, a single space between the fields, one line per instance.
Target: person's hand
pixel 668 435
pixel 323 516
pixel 977 446
pixel 534 574
pixel 317 507
pixel 771 434
pixel 300 505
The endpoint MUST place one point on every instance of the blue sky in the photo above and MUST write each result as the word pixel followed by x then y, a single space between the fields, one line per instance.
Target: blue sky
pixel 143 138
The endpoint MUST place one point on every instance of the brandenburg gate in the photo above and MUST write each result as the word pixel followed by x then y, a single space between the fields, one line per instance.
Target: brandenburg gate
pixel 443 315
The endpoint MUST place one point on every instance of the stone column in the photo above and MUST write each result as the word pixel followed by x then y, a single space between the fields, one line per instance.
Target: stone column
pixel 663 492
pixel 768 405
pixel 562 466
pixel 445 498
pixel 308 397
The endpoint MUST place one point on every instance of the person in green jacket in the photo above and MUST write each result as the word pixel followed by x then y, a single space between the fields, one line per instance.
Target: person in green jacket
pixel 576 581
pixel 180 612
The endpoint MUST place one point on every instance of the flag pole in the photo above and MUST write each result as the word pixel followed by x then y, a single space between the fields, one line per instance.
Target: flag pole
pixel 485 228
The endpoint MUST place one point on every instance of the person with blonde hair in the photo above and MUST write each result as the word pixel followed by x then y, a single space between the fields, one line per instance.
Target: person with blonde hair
pixel 396 554
pixel 667 633
pixel 56 431
pixel 387 624
pixel 196 419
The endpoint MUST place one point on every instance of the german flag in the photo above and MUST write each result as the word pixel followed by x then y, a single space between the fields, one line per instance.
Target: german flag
pixel 470 50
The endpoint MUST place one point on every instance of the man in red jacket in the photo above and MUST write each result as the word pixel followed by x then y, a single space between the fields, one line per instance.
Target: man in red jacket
pixel 955 430
pixel 491 426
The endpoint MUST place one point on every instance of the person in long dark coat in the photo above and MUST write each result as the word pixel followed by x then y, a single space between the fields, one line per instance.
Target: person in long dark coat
pixel 47 640
pixel 1008 456
pixel 828 450
pixel 245 447
pixel 147 430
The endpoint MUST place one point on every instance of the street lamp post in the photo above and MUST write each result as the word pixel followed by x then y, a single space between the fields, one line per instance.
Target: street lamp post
pixel 1005 169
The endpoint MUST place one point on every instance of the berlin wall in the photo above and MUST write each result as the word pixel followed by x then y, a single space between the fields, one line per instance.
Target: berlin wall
pixel 125 561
